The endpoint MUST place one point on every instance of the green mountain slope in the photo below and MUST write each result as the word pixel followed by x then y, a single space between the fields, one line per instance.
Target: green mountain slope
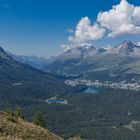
pixel 21 85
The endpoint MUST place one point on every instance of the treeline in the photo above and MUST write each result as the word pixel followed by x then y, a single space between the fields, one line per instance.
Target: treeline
pixel 14 115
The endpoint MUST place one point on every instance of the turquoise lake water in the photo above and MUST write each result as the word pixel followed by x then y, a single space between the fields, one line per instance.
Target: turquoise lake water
pixel 91 90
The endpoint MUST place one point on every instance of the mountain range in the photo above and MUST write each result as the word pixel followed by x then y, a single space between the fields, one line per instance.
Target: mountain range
pixel 112 114
pixel 34 61
pixel 116 63
pixel 21 84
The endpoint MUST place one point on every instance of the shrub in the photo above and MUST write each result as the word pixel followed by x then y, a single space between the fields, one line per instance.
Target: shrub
pixel 14 114
pixel 39 120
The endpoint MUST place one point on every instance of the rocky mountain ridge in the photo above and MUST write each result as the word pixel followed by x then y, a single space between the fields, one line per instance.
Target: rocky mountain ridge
pixel 121 60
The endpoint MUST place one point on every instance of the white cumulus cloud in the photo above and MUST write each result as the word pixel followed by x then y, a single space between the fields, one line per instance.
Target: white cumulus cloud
pixel 65 47
pixel 86 31
pixel 138 44
pixel 121 19
pixel 70 31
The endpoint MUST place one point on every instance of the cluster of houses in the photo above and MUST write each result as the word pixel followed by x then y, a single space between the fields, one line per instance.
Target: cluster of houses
pixel 115 85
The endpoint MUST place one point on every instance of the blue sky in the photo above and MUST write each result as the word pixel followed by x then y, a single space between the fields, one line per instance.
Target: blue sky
pixel 39 27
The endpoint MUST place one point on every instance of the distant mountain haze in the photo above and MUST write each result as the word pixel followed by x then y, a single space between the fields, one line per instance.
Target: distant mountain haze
pixel 16 75
pixel 123 59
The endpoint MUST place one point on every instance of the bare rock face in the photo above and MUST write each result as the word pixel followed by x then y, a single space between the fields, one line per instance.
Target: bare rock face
pixel 78 53
pixel 127 48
